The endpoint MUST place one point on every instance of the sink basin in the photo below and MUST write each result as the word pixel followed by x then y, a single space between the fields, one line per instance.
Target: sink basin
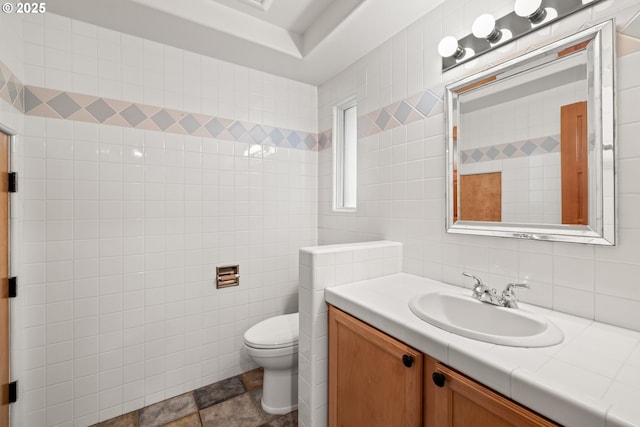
pixel 466 316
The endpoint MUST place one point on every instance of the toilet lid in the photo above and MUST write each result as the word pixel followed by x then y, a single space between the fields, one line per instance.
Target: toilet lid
pixel 275 332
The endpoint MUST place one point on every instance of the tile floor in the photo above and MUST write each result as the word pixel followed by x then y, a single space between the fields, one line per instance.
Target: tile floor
pixel 233 402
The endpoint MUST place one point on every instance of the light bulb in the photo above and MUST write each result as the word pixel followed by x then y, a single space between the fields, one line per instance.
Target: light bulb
pixel 530 9
pixel 449 46
pixel 484 27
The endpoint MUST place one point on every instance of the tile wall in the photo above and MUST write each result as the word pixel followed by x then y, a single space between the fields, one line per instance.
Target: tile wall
pixel 124 222
pixel 117 229
pixel 323 267
pixel 401 171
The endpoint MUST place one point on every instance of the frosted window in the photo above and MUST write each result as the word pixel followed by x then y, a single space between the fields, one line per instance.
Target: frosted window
pixel 345 155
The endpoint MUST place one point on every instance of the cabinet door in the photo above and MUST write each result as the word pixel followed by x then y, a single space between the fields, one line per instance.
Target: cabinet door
pixel 453 400
pixel 374 380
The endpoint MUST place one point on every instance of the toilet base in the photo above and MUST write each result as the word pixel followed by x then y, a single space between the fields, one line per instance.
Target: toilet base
pixel 279 391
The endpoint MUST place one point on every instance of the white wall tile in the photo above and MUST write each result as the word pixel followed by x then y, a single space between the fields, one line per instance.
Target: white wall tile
pixel 567 277
pixel 122 237
pixel 330 266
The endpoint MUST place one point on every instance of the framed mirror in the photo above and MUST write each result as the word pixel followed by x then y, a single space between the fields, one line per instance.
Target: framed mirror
pixel 530 144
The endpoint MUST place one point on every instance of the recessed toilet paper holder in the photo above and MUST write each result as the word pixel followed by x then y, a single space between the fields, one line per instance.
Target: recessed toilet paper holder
pixel 227 275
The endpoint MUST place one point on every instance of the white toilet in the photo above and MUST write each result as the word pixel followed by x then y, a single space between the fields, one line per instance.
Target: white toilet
pixel 273 344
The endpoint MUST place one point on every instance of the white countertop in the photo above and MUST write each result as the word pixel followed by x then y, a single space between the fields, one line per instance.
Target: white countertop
pixel 591 379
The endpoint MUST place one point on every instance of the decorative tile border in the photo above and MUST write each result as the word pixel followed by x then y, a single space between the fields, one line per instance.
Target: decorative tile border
pixel 512 150
pixel 417 107
pixel 11 89
pixel 43 102
pixel 325 139
pixel 414 108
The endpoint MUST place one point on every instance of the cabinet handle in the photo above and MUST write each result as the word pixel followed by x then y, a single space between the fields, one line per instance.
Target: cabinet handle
pixel 407 360
pixel 438 379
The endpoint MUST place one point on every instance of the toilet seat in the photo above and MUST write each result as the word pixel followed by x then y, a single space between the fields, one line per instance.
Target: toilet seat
pixel 275 332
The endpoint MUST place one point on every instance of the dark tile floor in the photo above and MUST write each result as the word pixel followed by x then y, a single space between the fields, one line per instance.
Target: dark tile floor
pixel 233 402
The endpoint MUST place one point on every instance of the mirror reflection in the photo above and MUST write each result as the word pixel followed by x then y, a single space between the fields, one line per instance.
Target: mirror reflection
pixel 530 144
pixel 523 150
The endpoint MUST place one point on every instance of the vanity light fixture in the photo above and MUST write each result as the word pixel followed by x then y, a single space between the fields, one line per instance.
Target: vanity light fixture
pixel 484 27
pixel 531 9
pixel 449 47
pixel 489 32
pixel 535 12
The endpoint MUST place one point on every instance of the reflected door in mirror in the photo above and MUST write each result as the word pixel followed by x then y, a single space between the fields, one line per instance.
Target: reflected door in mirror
pixel 574 163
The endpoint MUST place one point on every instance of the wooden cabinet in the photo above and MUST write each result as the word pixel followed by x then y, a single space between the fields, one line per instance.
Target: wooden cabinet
pixel 454 400
pixel 370 386
pixel 374 380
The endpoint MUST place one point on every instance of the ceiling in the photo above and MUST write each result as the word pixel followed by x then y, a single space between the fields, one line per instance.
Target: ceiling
pixel 305 40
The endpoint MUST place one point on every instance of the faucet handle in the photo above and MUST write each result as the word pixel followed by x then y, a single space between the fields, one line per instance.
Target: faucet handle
pixel 474 277
pixel 509 298
pixel 510 286
pixel 478 288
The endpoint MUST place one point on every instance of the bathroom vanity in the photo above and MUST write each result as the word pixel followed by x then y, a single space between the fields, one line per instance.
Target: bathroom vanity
pixel 387 383
pixel 386 363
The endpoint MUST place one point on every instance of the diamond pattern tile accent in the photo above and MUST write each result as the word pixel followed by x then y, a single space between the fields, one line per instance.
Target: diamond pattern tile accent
pixel 121 113
pixel 402 112
pixel 550 145
pixel 189 123
pixel 31 101
pixel 528 147
pixel 294 138
pixel 133 115
pixel 100 110
pixel 492 153
pixel 476 155
pixel 426 103
pixel 324 139
pixel 214 127
pixel 514 149
pixel 509 150
pixel 310 141
pixel 276 136
pixel 258 134
pixel 383 119
pixel 81 107
pixel 13 90
pixel 162 119
pixel 237 130
pixel 64 105
pixel 19 100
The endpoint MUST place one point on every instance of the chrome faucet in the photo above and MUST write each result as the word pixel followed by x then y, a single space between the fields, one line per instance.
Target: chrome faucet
pixel 483 293
pixel 509 298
